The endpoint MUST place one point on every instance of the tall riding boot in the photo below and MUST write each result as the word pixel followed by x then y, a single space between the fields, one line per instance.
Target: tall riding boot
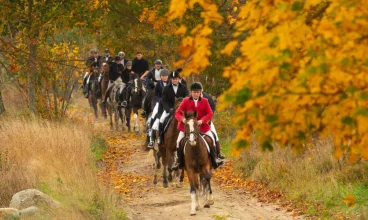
pixel 152 139
pixel 160 132
pixel 214 160
pixel 218 149
pixel 179 159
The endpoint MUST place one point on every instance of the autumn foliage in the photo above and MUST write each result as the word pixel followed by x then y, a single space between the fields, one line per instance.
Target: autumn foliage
pixel 301 69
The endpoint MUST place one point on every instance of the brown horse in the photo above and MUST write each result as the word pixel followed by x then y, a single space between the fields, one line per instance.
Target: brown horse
pixel 104 82
pixel 167 149
pixel 197 161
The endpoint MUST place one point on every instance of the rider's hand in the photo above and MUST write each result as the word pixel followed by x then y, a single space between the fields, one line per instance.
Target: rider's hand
pixel 200 122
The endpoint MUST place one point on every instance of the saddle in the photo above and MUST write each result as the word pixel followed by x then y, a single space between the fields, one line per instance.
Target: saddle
pixel 207 138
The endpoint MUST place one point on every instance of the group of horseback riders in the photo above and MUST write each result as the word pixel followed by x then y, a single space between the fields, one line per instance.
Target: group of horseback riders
pixel 167 88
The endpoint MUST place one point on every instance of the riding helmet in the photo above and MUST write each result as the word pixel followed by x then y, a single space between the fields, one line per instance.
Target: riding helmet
pixel 107 50
pixel 164 72
pixel 175 74
pixel 121 53
pixel 196 86
pixel 129 63
pixel 117 58
pixel 158 62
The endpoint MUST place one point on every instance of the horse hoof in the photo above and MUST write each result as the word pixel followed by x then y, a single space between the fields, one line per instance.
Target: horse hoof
pixel 207 206
pixel 158 166
pixel 193 212
pixel 210 202
pixel 155 182
pixel 166 185
pixel 170 178
pixel 197 208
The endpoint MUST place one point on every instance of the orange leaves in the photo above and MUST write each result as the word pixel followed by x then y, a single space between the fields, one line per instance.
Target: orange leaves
pixel 349 200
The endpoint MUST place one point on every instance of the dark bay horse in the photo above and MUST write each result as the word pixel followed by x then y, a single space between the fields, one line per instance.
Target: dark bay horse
pixel 197 161
pixel 104 82
pixel 93 90
pixel 167 149
pixel 138 92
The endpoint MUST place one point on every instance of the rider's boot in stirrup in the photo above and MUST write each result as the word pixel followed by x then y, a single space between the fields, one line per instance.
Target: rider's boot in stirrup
pixel 152 138
pixel 216 162
pixel 218 148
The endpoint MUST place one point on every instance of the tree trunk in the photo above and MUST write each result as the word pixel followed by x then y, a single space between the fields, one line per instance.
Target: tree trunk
pixel 32 70
pixel 31 77
pixel 2 108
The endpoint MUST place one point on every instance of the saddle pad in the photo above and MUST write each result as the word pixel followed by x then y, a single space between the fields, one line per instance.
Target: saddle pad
pixel 167 122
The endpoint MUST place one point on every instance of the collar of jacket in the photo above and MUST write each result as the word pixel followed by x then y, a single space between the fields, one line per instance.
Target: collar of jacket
pixel 199 99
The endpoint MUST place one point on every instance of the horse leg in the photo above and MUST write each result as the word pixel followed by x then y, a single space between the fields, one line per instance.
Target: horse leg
pixel 196 184
pixel 136 120
pixel 209 197
pixel 155 156
pixel 181 178
pixel 116 118
pixel 169 157
pixel 191 177
pixel 110 114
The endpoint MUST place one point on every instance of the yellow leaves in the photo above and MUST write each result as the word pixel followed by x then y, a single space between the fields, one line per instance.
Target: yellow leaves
pixel 349 200
pixel 229 47
pixel 181 30
pixel 177 9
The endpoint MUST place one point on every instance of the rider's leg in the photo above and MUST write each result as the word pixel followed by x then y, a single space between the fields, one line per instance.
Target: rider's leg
pixel 218 146
pixel 154 112
pixel 162 119
pixel 216 162
pixel 153 134
pixel 179 154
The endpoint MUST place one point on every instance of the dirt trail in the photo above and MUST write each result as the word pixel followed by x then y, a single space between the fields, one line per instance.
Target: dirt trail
pixel 128 169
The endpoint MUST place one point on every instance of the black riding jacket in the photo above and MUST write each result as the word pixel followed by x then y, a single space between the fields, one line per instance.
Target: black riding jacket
pixel 168 95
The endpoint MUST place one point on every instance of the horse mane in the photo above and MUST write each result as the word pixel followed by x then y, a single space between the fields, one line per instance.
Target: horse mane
pixel 190 115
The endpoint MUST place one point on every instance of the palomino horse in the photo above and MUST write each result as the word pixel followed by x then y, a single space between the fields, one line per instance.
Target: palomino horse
pixel 113 107
pixel 138 92
pixel 197 161
pixel 93 91
pixel 104 82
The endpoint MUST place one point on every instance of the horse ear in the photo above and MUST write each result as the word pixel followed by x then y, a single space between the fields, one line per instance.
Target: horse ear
pixel 195 114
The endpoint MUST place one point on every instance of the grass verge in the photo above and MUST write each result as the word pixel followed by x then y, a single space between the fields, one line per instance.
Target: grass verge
pixel 55 158
pixel 314 180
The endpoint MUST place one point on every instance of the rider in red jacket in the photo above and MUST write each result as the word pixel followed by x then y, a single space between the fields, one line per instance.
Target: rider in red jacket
pixel 204 115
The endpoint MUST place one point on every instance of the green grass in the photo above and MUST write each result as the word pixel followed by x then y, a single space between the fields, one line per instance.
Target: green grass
pixel 98 146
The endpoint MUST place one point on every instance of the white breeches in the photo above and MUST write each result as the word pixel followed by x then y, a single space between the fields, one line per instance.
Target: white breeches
pixel 155 110
pixel 182 135
pixel 163 116
pixel 213 129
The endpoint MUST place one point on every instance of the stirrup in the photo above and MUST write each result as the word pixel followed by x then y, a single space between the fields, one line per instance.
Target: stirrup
pixel 175 167
pixel 221 156
pixel 124 103
pixel 151 144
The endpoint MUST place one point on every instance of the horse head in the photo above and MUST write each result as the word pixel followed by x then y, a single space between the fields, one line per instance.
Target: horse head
pixel 191 127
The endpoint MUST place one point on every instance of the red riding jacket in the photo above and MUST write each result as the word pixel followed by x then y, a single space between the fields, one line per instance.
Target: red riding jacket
pixel 203 109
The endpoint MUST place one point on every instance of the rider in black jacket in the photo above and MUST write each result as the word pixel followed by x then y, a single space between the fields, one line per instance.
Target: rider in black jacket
pixel 213 129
